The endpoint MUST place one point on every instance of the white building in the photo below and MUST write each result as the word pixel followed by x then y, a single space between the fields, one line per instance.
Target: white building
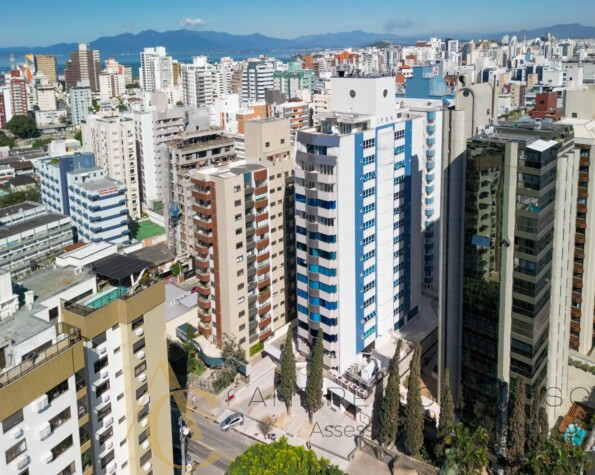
pixel 112 141
pixel 257 77
pixel 199 84
pixel 46 98
pixel 156 69
pixel 80 101
pixel 361 172
pixel 111 86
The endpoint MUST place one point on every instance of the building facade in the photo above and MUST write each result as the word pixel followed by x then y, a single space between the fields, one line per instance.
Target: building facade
pixel 83 67
pixel 80 102
pixel 156 69
pixel 47 65
pixel 361 172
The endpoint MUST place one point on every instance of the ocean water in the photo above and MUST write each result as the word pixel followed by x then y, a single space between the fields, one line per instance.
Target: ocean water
pixel 129 60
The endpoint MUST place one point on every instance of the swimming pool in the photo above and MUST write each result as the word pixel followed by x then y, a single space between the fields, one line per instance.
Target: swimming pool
pixel 575 434
pixel 109 295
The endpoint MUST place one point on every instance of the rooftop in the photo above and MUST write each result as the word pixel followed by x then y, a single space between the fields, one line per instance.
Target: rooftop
pixel 118 266
pixel 156 255
pixel 22 226
pixel 145 229
pixel 178 301
pixel 27 205
pixel 101 184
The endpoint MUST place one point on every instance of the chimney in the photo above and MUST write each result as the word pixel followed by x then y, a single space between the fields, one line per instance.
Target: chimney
pixel 29 299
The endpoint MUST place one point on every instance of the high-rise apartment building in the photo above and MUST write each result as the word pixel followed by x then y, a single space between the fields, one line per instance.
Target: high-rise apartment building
pixel 83 67
pixel 519 221
pixel 190 151
pixel 294 79
pixel 80 101
pixel 156 69
pixel 83 374
pixel 46 98
pixel 48 66
pixel 154 126
pixel 2 111
pixel 18 97
pixel 112 141
pixel 111 86
pixel 358 220
pixel 582 311
pixel 199 82
pixel 257 77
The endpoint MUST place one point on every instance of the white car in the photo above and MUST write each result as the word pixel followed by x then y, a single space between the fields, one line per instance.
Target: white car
pixel 231 421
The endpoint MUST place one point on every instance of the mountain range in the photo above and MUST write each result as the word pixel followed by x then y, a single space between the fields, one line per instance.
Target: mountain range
pixel 192 42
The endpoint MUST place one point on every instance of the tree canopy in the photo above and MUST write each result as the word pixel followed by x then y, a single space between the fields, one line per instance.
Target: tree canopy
pixel 287 379
pixel 314 382
pixel 280 457
pixel 21 126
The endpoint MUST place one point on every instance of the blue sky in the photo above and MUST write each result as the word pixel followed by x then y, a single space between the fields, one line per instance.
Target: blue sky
pixel 41 23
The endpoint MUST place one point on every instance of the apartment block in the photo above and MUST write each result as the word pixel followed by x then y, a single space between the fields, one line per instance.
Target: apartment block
pixel 111 86
pixel 294 79
pixel 519 220
pixel 46 98
pixel 125 367
pixel 582 311
pixel 80 101
pixel 257 77
pixel 111 139
pixel 190 151
pixel 199 82
pixel 47 65
pixel 358 221
pixel 29 235
pixel 156 69
pixel 18 97
pixel 83 68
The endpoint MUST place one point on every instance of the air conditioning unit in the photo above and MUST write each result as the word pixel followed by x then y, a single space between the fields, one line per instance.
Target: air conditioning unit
pixel 102 349
pixel 108 422
pixel 44 431
pixel 146 400
pixel 21 462
pixel 144 422
pixel 109 444
pixel 111 468
pixel 146 444
pixel 47 457
pixel 147 466
pixel 140 355
pixel 41 404
pixel 142 377
pixel 104 374
pixel 139 332
pixel 105 398
pixel 17 433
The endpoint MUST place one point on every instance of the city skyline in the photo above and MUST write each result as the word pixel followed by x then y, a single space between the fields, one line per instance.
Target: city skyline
pixel 331 17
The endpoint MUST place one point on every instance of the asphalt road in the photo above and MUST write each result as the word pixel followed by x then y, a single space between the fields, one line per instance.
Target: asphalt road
pixel 212 448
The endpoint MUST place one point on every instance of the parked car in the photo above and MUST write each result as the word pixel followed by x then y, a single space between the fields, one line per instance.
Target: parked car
pixel 231 421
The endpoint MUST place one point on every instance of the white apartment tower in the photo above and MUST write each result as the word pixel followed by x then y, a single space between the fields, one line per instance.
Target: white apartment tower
pixel 199 81
pixel 156 69
pixel 112 141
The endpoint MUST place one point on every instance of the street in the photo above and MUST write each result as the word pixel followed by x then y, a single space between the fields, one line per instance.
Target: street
pixel 212 445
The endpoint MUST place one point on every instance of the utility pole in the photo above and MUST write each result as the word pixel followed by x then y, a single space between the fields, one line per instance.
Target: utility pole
pixel 183 449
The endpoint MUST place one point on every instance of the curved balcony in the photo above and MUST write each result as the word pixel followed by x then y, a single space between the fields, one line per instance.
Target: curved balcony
pixel 430 152
pixel 264 310
pixel 264 323
pixel 265 335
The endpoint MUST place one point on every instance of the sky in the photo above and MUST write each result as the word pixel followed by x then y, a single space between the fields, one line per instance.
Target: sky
pixel 43 23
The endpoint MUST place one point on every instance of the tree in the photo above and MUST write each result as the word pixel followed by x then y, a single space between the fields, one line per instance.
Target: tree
pixel 280 457
pixel 537 431
pixel 21 126
pixel 388 423
pixel 447 413
pixel 287 378
pixel 414 422
pixel 314 382
pixel 176 269
pixel 16 197
pixel 515 441
pixel 6 141
pixel 559 457
pixel 468 452
pixel 265 425
pixel 78 135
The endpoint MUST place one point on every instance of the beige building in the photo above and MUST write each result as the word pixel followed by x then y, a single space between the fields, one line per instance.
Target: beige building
pixel 191 151
pixel 47 65
pixel 46 98
pixel 243 239
pixel 111 139
pixel 582 310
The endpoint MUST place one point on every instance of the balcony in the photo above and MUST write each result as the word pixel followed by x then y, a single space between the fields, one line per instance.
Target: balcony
pixel 265 323
pixel 265 335
pixel 70 337
pixel 264 309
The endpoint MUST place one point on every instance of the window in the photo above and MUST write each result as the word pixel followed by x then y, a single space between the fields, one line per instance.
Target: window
pixel 266 144
pixel 15 451
pixel 100 364
pixel 106 435
pixel 139 345
pixel 238 231
pixel 140 368
pixel 145 458
pixel 238 217
pixel 240 272
pixel 237 203
pixel 107 459
pixel 236 188
pixel 239 245
pixel 282 141
pixel 12 421
pixel 102 388
pixel 142 390
pixel 138 322
pixel 241 300
pixel 104 412
pixel 62 447
pixel 119 373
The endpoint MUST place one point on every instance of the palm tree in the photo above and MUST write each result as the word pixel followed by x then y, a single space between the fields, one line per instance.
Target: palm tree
pixel 468 452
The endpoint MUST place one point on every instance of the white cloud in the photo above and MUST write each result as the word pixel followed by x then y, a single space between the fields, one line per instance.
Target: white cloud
pixel 191 22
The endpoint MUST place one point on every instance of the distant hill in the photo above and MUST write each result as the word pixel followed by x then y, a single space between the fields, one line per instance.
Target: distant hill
pixel 192 42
